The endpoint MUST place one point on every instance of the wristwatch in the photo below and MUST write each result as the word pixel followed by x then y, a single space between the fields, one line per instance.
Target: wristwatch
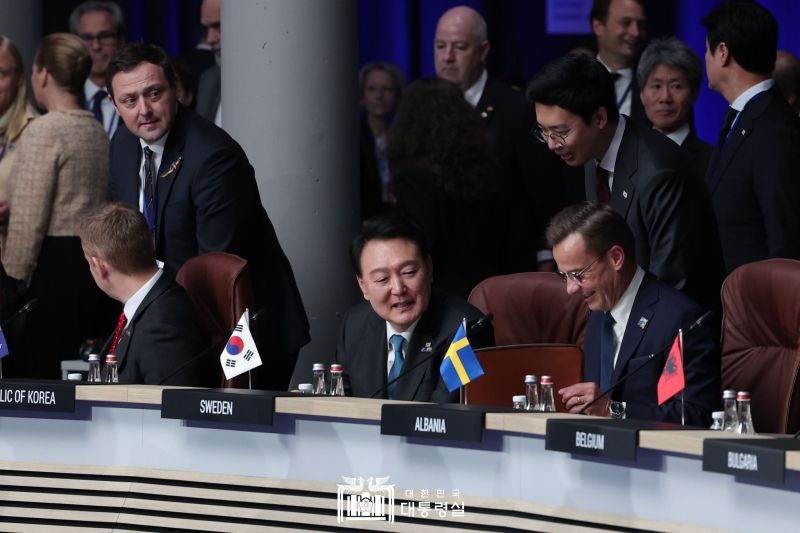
pixel 617 409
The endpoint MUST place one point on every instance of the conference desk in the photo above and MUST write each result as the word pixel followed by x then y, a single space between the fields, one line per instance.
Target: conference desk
pixel 114 464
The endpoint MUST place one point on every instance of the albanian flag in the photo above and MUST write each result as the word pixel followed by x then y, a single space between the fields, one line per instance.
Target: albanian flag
pixel 672 380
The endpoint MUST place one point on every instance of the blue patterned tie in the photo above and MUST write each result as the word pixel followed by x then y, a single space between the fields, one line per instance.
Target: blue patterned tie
pixel 149 193
pixel 607 351
pixel 397 341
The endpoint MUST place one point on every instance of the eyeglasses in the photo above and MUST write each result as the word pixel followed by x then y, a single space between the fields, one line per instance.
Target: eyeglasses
pixel 104 37
pixel 577 277
pixel 543 137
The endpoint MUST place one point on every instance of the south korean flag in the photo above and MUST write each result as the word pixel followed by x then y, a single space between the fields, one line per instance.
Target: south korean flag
pixel 240 354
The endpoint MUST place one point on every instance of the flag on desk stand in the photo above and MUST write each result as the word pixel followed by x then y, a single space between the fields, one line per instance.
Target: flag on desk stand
pixel 3 345
pixel 460 365
pixel 672 380
pixel 240 354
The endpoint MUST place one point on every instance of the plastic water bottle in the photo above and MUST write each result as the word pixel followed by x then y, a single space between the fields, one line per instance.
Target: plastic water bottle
pixel 337 385
pixel 306 388
pixel 531 393
pixel 731 417
pixel 112 375
pixel 547 403
pixel 745 425
pixel 519 402
pixel 318 380
pixel 717 417
pixel 94 368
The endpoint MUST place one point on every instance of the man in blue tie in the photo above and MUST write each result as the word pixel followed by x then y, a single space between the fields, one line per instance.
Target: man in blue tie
pixel 101 25
pixel 403 320
pixel 633 315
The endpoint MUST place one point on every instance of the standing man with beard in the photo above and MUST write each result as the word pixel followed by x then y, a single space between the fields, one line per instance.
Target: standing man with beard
pixel 531 174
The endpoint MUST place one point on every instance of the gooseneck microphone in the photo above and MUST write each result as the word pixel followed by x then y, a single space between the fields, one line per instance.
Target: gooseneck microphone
pixel 474 326
pixel 649 358
pixel 258 314
pixel 24 309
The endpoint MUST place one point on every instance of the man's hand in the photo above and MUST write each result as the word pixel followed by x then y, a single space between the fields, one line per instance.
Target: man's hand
pixel 578 395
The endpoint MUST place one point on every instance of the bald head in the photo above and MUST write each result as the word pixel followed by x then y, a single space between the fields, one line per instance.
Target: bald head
pixel 787 77
pixel 461 46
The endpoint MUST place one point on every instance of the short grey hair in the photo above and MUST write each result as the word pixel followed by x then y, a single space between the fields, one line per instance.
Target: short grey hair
pixel 94 5
pixel 390 68
pixel 672 53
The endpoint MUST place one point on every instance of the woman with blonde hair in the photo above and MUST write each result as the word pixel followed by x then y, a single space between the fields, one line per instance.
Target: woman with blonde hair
pixel 16 111
pixel 60 174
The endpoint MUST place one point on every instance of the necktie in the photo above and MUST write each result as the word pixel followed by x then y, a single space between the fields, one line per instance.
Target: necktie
pixel 397 342
pixel 607 351
pixel 99 96
pixel 149 192
pixel 730 116
pixel 603 190
pixel 118 332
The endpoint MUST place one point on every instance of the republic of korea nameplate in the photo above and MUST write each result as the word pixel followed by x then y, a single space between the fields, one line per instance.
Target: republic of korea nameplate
pixel 45 395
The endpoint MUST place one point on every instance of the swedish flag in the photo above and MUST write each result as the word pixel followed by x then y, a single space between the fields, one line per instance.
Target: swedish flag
pixel 460 365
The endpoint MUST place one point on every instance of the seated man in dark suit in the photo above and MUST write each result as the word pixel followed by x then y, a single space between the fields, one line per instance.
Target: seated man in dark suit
pixel 403 319
pixel 633 315
pixel 670 74
pixel 640 173
pixel 159 330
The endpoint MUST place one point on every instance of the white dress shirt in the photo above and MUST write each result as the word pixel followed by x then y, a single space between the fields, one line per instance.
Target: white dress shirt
pixel 680 134
pixel 406 335
pixel 110 121
pixel 136 300
pixel 622 311
pixel 610 158
pixel 623 86
pixel 474 93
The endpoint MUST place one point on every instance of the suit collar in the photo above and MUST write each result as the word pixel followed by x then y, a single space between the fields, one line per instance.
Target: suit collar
pixel 171 163
pixel 625 169
pixel 744 124
pixel 161 285
pixel 643 308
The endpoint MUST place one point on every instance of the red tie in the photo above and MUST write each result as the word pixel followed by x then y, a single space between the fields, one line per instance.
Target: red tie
pixel 603 190
pixel 118 332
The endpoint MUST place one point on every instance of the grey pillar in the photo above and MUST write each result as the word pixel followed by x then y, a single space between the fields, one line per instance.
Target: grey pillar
pixel 290 98
pixel 22 23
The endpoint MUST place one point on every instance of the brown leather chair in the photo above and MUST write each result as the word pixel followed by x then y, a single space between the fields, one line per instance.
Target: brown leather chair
pixel 220 288
pixel 532 307
pixel 760 338
pixel 505 368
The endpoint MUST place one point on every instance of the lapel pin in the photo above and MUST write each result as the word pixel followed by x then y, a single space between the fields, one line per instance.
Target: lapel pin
pixel 427 348
pixel 742 132
pixel 172 168
pixel 642 322
pixel 484 114
pixel 624 194
pixel 129 333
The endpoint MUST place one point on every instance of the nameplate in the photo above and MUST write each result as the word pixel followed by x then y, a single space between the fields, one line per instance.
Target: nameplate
pixel 234 406
pixel 52 396
pixel 755 458
pixel 610 439
pixel 436 421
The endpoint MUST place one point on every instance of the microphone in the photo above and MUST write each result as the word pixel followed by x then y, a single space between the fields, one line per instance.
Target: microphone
pixel 216 345
pixel 474 325
pixel 696 323
pixel 24 309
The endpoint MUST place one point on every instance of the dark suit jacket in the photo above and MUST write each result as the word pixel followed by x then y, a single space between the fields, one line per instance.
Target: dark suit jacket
pixel 699 153
pixel 669 211
pixel 755 188
pixel 666 311
pixel 209 92
pixel 371 187
pixel 164 334
pixel 531 171
pixel 363 350
pixel 211 203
